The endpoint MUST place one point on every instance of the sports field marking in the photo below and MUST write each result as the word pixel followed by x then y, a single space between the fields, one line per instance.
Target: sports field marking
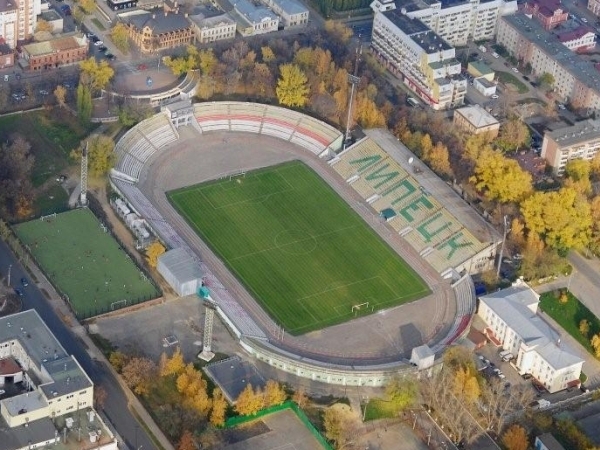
pixel 302 252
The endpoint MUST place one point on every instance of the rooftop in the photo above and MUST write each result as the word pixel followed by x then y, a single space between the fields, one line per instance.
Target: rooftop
pixel 204 21
pixel 580 132
pixel 252 13
pixel 50 15
pixel 581 69
pixel 159 22
pixel 9 366
pixel 181 265
pixel 550 442
pixel 8 5
pixel 481 67
pixel 420 33
pixel 55 45
pixel 515 306
pixel 477 116
pixel 566 35
pixel 291 6
pixel 67 376
pixel 20 437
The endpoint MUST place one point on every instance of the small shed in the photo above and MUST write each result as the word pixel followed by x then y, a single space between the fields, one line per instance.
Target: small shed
pixel 422 357
pixel 180 270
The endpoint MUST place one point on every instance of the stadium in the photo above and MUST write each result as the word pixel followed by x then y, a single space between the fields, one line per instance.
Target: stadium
pixel 191 161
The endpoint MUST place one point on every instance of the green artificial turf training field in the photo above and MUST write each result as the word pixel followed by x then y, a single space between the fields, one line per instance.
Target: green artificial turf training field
pixel 85 263
pixel 298 247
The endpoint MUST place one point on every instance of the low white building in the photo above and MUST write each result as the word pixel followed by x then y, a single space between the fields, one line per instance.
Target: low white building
pixel 252 19
pixel 180 270
pixel 211 29
pixel 292 12
pixel 581 38
pixel 513 323
pixel 484 86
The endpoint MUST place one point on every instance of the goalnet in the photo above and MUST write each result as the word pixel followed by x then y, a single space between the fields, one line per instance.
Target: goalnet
pixel 118 304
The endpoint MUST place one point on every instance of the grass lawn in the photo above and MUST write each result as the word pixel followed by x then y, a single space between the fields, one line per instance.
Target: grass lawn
pixel 509 78
pixel 53 199
pixel 568 315
pixel 86 264
pixel 381 409
pixel 52 135
pixel 302 252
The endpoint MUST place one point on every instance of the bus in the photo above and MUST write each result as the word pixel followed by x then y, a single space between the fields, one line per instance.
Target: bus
pixel 116 5
pixel 412 102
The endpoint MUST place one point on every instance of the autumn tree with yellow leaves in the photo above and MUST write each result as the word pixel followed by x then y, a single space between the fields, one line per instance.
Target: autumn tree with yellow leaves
pixel 219 408
pixel 193 388
pixel 171 366
pixel 138 373
pixel 153 251
pixel 292 88
pixel 250 401
pixel 274 394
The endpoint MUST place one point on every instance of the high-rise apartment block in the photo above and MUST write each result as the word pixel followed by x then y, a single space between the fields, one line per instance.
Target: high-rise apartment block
pixel 18 19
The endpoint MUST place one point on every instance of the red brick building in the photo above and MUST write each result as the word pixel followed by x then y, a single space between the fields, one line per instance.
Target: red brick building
pixel 548 12
pixel 54 53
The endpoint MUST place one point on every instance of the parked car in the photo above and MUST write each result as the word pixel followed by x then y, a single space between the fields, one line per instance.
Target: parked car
pixel 98 43
pixel 102 48
pixel 515 70
pixel 495 96
pixel 19 292
pixel 561 106
pixel 142 67
pixel 495 55
pixel 24 282
pixel 110 56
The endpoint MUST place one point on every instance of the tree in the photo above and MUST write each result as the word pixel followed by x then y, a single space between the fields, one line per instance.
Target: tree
pixel 300 398
pixel 100 154
pixel 267 54
pixel 561 218
pixel 292 89
pixel 138 374
pixel 513 134
pixel 578 172
pixel 515 438
pixel 500 404
pixel 60 93
pixel 173 365
pixel 584 327
pixel 546 79
pixel 95 75
pixel 595 341
pixel 465 385
pixel 84 104
pixel 153 251
pixel 120 37
pixel 132 113
pixel 249 402
pixel 403 392
pixel 439 160
pixel 187 441
pixel 118 360
pixel 274 394
pixel 43 25
pixel 340 424
pixel 100 396
pixel 219 408
pixel 16 164
pixel 88 6
pixel 500 178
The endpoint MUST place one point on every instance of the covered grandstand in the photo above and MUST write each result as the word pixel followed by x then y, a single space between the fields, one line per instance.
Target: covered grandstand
pixel 417 217
pixel 418 205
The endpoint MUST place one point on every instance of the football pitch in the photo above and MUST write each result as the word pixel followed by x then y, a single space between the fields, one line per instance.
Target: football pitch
pixel 303 253
pixel 85 263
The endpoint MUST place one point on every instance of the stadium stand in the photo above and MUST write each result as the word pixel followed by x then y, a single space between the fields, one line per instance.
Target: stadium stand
pixel 416 215
pixel 305 131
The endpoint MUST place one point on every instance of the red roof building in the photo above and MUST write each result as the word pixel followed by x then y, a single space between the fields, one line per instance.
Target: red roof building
pixel 548 12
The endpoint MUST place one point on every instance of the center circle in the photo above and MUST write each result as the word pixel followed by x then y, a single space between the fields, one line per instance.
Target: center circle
pixel 295 241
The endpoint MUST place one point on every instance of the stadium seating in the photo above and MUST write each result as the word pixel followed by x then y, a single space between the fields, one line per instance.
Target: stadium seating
pixel 245 117
pixel 212 116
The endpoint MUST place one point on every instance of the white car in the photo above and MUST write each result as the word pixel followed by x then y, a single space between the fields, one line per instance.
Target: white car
pixel 515 70
pixel 495 96
pixel 584 20
pixel 98 43
pixel 495 55
pixel 561 106
pixel 2 392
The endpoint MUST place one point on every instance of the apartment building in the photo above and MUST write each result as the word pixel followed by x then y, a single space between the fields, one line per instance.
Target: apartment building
pixel 578 39
pixel 252 19
pixel 18 19
pixel 457 21
pixel 594 6
pixel 293 14
pixel 513 324
pixel 575 79
pixel 549 13
pixel 215 28
pixel 156 31
pixel 476 120
pixel 580 141
pixel 424 61
pixel 42 387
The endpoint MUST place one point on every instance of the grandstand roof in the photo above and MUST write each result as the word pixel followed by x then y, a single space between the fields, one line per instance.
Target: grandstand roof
pixel 458 207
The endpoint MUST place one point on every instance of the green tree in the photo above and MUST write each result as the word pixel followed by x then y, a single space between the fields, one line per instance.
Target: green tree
pixel 60 93
pixel 100 154
pixel 403 392
pixel 578 173
pixel 562 219
pixel 95 75
pixel 84 104
pixel 120 37
pixel 292 86
pixel 546 79
pixel 500 178
pixel 184 64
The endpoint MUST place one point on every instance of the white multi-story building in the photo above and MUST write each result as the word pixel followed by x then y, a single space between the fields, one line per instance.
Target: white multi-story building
pixel 579 38
pixel 458 21
pixel 594 6
pixel 210 29
pixel 41 384
pixel 292 12
pixel 18 19
pixel 421 58
pixel 252 19
pixel 580 141
pixel 576 80
pixel 513 323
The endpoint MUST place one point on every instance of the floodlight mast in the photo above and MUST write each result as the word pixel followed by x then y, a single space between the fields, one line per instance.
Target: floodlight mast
pixel 84 176
pixel 353 79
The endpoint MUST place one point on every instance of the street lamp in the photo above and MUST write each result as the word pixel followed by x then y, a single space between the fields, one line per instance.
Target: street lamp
pixel 502 246
pixel 8 277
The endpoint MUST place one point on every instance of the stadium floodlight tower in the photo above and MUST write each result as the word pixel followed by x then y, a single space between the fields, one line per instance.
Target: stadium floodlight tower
pixel 83 201
pixel 209 317
pixel 353 79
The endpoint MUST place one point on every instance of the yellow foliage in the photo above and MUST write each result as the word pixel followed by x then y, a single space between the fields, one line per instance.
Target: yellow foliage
pixel 292 86
pixel 173 365
pixel 595 341
pixel 466 386
pixel 153 251
pixel 219 408
pixel 249 402
pixel 118 360
pixel 274 394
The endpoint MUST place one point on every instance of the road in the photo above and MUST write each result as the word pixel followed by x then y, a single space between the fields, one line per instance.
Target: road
pixel 116 406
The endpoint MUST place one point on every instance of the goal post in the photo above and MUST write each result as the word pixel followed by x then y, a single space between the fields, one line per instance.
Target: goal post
pixel 118 304
pixel 356 308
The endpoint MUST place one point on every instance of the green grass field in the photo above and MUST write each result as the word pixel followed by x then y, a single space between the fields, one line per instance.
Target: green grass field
pixel 84 262
pixel 298 247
